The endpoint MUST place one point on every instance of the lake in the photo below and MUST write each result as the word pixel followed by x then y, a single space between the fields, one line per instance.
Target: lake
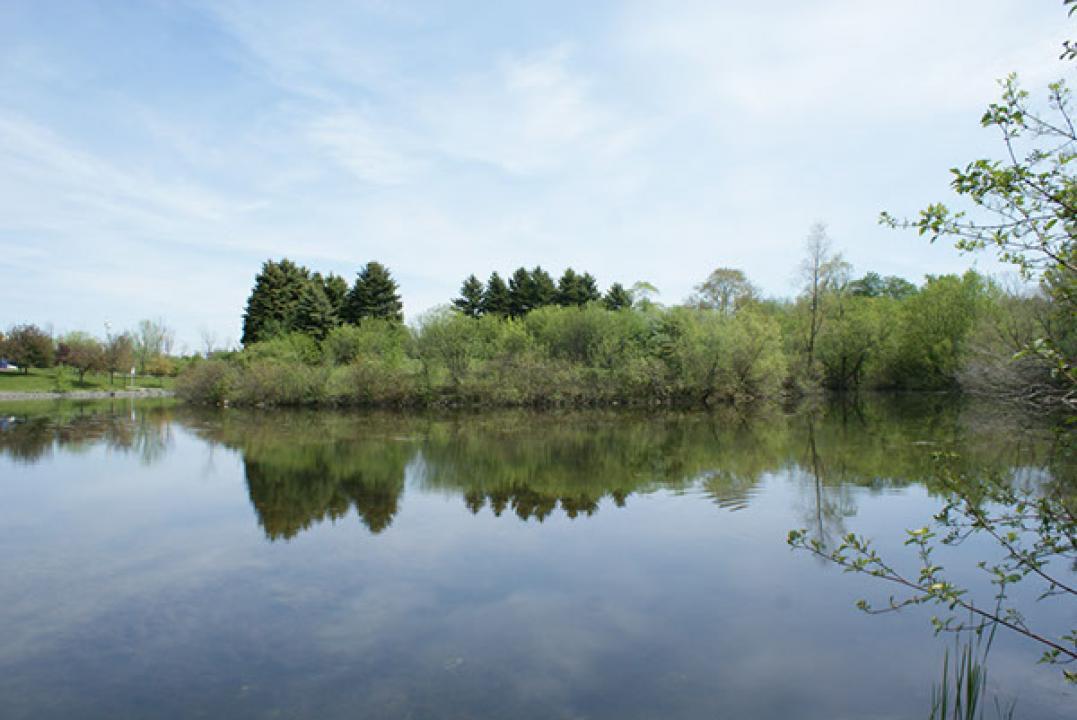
pixel 160 561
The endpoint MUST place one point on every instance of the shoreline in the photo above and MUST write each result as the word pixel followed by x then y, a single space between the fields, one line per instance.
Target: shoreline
pixel 88 394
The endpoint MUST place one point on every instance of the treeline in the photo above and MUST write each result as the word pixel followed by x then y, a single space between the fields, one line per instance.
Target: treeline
pixel 291 298
pixel 534 341
pixel 529 290
pixel 147 348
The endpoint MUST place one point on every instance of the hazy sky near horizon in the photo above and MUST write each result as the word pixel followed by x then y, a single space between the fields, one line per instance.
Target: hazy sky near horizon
pixel 154 154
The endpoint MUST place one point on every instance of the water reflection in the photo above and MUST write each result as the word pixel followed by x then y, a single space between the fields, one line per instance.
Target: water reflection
pixel 305 468
pixel 30 432
pixel 601 565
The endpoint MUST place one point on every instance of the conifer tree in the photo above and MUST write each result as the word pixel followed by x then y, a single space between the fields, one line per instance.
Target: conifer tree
pixel 617 298
pixel 495 298
pixel 521 293
pixel 315 315
pixel 569 289
pixel 470 302
pixel 374 295
pixel 336 289
pixel 273 301
pixel 589 288
pixel 543 288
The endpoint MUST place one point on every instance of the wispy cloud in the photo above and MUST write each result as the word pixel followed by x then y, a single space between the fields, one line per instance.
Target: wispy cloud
pixel 150 159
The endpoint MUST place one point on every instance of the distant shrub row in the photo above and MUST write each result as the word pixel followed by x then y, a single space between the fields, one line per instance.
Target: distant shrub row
pixel 553 356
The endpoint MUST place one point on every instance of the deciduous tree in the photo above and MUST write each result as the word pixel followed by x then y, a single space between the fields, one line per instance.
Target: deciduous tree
pixel 84 353
pixel 1023 205
pixel 152 339
pixel 822 270
pixel 119 355
pixel 28 346
pixel 725 289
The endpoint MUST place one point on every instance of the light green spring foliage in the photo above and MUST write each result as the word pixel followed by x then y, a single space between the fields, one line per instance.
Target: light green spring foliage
pixel 553 355
pixel 385 340
pixel 590 354
pixel 1021 205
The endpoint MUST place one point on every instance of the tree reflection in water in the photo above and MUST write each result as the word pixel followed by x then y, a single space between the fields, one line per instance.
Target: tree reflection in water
pixel 305 467
pixel 32 431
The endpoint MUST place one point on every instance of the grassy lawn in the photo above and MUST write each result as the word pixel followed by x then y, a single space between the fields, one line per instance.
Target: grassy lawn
pixel 65 379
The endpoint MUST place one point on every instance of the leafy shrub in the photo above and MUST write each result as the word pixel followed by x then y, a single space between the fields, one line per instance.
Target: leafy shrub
pixel 294 348
pixel 276 383
pixel 376 382
pixel 371 338
pixel 211 381
pixel 161 366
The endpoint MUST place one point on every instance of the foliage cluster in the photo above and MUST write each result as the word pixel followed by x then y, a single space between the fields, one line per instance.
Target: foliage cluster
pixel 148 348
pixel 842 334
pixel 289 298
pixel 529 290
pixel 553 355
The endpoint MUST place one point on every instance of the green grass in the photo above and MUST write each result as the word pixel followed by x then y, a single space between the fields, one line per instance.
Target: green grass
pixel 66 380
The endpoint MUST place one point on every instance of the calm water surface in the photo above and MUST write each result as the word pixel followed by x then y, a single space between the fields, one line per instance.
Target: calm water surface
pixel 162 562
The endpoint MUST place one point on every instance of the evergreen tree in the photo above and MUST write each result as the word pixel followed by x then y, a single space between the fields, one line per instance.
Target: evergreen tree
pixel 470 302
pixel 569 288
pixel 543 288
pixel 521 293
pixel 495 298
pixel 589 288
pixel 575 289
pixel 617 298
pixel 273 301
pixel 374 295
pixel 336 289
pixel 315 315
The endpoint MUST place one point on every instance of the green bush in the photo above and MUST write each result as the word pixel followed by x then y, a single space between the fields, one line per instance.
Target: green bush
pixel 294 348
pixel 211 381
pixel 371 338
pixel 449 340
pixel 589 335
pixel 376 382
pixel 278 383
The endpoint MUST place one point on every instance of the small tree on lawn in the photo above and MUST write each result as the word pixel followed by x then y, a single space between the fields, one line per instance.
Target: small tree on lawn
pixel 28 346
pixel 84 353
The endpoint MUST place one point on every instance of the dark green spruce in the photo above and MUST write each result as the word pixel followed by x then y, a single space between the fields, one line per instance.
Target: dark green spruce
pixel 374 295
pixel 470 302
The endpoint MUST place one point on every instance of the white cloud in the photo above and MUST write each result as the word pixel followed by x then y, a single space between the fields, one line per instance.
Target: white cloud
pixel 653 141
pixel 61 182
pixel 526 116
pixel 373 153
pixel 847 60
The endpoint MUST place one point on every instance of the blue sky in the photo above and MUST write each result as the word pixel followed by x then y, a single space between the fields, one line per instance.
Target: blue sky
pixel 153 154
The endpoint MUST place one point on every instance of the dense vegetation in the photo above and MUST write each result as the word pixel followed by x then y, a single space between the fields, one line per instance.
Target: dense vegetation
pixel 531 340
pixel 310 338
pixel 537 341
